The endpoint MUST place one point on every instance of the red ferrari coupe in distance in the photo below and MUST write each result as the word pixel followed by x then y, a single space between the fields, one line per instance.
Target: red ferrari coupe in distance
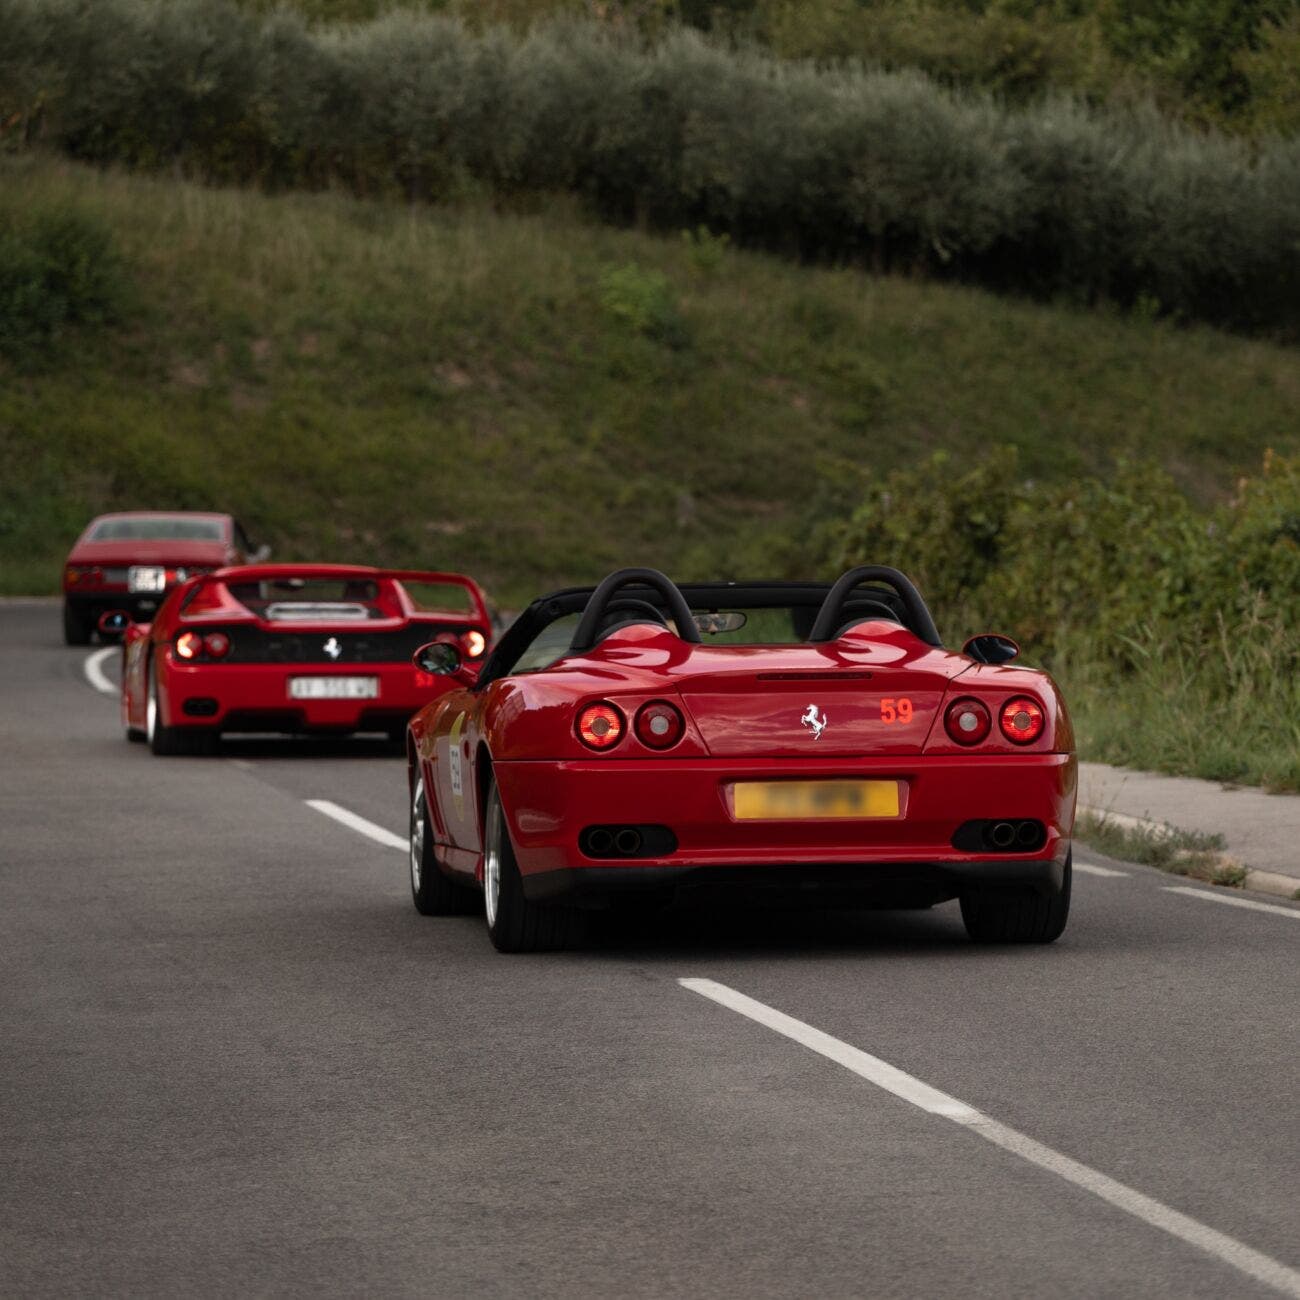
pixel 292 648
pixel 131 561
pixel 801 739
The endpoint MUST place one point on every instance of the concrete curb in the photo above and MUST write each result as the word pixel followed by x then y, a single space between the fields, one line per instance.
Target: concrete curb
pixel 1261 882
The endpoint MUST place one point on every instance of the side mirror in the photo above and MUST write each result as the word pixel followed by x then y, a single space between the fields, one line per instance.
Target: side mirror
pixel 442 658
pixel 991 648
pixel 113 622
pixel 438 658
pixel 261 555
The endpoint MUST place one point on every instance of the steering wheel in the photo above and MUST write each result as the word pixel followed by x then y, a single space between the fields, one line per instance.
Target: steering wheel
pixel 637 611
pixel 859 610
pixel 834 612
pixel 603 599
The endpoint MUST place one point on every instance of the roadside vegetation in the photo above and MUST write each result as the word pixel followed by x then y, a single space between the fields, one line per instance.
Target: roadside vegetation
pixel 1052 197
pixel 537 398
pixel 1180 852
pixel 1231 63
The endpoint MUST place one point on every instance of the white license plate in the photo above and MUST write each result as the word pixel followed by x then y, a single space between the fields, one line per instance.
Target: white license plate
pixel 145 578
pixel 334 688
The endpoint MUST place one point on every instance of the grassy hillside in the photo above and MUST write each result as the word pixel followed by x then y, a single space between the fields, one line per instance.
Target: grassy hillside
pixel 537 399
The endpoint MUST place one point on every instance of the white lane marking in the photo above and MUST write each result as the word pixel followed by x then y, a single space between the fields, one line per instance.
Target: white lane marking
pixel 359 824
pixel 1253 1263
pixel 1091 869
pixel 871 1068
pixel 95 673
pixel 1233 901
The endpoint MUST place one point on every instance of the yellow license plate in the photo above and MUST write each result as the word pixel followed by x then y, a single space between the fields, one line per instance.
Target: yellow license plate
pixel 812 800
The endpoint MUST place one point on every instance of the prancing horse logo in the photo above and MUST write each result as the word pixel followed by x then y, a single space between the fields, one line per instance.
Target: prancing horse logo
pixel 332 647
pixel 815 720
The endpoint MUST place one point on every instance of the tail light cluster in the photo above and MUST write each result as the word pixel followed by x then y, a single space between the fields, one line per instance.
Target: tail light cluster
pixel 78 575
pixel 968 720
pixel 473 642
pixel 202 645
pixel 658 725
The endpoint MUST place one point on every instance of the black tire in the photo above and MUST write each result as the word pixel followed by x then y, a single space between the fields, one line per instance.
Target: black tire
pixel 514 924
pixel 1018 915
pixel 432 891
pixel 76 626
pixel 135 735
pixel 171 741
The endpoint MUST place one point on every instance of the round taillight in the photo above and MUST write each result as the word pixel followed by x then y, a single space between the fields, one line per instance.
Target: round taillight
pixel 217 644
pixel 475 643
pixel 967 721
pixel 1022 720
pixel 188 644
pixel 600 726
pixel 659 725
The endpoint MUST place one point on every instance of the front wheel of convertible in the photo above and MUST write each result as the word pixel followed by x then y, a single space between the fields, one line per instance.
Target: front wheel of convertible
pixel 431 891
pixel 1018 915
pixel 515 924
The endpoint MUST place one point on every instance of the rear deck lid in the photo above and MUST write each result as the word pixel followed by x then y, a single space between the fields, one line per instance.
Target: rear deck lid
pixel 854 697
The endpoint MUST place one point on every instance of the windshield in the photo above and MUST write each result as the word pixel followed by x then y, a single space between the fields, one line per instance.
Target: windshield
pixel 157 528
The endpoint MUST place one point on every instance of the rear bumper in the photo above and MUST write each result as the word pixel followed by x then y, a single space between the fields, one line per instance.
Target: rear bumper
pixel 90 605
pixel 878 884
pixel 550 804
pixel 255 697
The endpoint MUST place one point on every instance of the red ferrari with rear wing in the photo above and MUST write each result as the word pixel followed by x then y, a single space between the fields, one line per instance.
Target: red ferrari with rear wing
pixel 292 648
pixel 797 739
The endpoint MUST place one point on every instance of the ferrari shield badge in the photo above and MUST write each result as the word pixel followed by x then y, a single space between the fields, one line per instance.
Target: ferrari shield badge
pixel 815 720
pixel 333 648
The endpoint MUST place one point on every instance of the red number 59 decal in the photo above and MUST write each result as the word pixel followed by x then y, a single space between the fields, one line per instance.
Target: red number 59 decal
pixel 892 710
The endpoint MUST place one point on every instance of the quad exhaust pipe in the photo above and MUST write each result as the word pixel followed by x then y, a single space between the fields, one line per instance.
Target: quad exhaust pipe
pixel 627 841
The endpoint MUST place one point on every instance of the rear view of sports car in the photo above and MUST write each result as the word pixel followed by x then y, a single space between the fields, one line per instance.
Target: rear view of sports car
pixel 130 562
pixel 292 648
pixel 804 741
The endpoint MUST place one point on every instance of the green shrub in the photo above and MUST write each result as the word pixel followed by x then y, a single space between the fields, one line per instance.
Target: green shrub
pixel 57 269
pixel 642 300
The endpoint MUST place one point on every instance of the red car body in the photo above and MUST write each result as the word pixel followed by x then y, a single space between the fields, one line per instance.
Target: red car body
pixel 766 732
pixel 130 561
pixel 259 648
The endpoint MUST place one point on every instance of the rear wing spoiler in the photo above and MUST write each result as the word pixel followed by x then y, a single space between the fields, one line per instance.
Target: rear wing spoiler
pixel 479 611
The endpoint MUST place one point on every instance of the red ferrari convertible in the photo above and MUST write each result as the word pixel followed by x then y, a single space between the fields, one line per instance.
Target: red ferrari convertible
pixel 291 648
pixel 130 562
pixel 799 739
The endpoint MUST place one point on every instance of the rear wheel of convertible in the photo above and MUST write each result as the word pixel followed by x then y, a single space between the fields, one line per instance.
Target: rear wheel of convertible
pixel 514 924
pixel 172 740
pixel 76 626
pixel 1018 915
pixel 431 891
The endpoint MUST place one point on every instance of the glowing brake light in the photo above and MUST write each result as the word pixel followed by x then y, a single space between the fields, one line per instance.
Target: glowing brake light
pixel 188 645
pixel 475 643
pixel 600 726
pixel 1021 720
pixel 967 721
pixel 659 725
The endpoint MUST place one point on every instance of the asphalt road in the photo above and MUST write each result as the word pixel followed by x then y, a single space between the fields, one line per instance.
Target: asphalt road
pixel 233 1059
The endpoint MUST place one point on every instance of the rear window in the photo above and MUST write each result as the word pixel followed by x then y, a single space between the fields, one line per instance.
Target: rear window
pixel 438 597
pixel 164 528
pixel 306 599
